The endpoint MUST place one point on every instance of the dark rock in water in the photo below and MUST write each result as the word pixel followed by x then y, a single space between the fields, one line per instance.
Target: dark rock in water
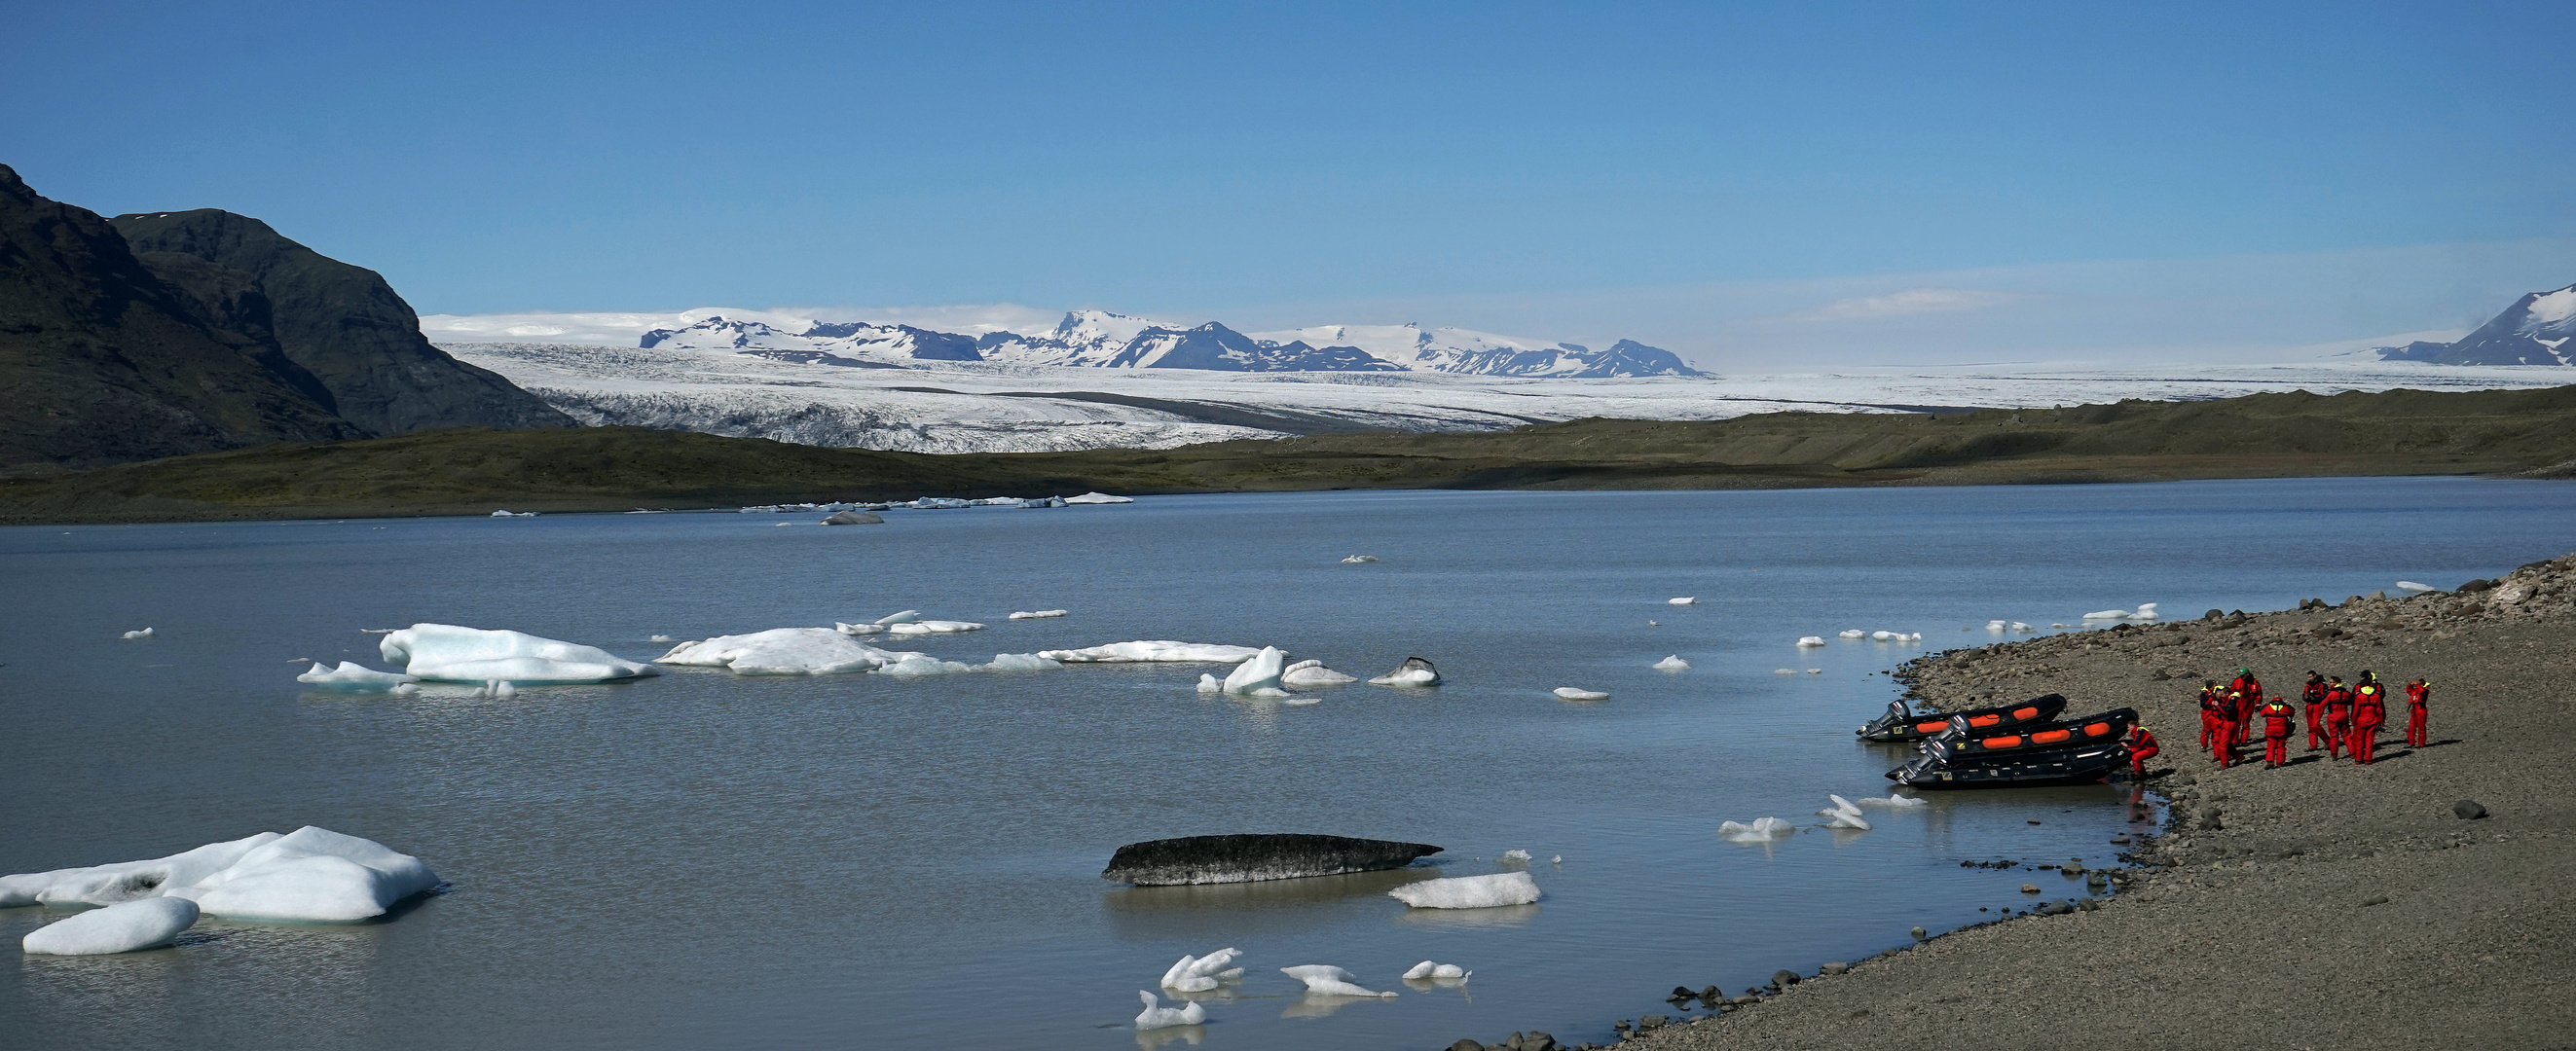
pixel 1920 934
pixel 2056 908
pixel 1784 978
pixel 1836 967
pixel 1249 858
pixel 1712 996
pixel 2469 809
pixel 1539 1042
pixel 1682 994
pixel 855 518
pixel 1466 1045
pixel 1651 1022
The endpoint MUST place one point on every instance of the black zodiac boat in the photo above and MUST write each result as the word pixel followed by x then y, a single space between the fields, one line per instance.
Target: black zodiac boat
pixel 1906 722
pixel 2075 752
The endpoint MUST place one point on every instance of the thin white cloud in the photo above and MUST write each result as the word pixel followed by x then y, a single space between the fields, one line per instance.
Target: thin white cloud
pixel 1905 302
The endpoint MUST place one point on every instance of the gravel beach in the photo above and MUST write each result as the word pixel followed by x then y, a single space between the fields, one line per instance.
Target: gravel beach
pixel 2320 905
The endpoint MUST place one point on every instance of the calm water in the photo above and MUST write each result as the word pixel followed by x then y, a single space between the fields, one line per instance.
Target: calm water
pixel 702 860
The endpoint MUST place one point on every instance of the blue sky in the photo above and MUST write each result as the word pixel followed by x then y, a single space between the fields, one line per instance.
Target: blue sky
pixel 1734 182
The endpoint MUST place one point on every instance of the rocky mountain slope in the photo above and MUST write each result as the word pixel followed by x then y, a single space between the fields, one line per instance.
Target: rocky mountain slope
pixel 2533 331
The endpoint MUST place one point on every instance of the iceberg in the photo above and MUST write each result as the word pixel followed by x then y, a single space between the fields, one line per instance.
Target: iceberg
pixel 1041 614
pixel 312 875
pixel 1892 801
pixel 1329 980
pixel 845 629
pixel 1469 892
pixel 2016 626
pixel 1021 662
pixel 448 653
pixel 352 677
pixel 1198 974
pixel 1097 498
pixel 1427 969
pixel 1784 671
pixel 905 617
pixel 506 513
pixel 1154 650
pixel 2409 585
pixel 1415 671
pixel 919 664
pixel 1159 1017
pixel 1259 673
pixel 1844 814
pixel 1762 830
pixel 933 627
pixel 786 651
pixel 1043 502
pixel 1811 640
pixel 1313 673
pixel 1358 559
pixel 1572 694
pixel 1516 854
pixel 1855 633
pixel 1672 663
pixel 939 503
pixel 2146 611
pixel 855 518
pixel 1686 600
pixel 122 927
pixel 143 634
pixel 1211 684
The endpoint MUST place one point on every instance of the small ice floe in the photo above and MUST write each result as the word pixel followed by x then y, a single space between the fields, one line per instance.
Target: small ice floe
pixel 939 503
pixel 1258 676
pixel 1040 503
pixel 892 619
pixel 853 518
pixel 352 677
pixel 1469 892
pixel 497 690
pixel 2145 611
pixel 855 629
pixel 933 627
pixel 1843 814
pixel 122 927
pixel 786 651
pixel 1672 663
pixel 1038 614
pixel 1313 673
pixel 1854 633
pixel 1329 980
pixel 1572 694
pixel 1021 662
pixel 1815 671
pixel 1156 1016
pixel 1516 854
pixel 1654 624
pixel 780 525
pixel 1810 641
pixel 1358 559
pixel 1896 636
pixel 143 634
pixel 921 664
pixel 1556 859
pixel 1686 600
pixel 2016 626
pixel 1198 974
pixel 506 513
pixel 1784 671
pixel 1415 671
pixel 1891 801
pixel 658 638
pixel 1998 625
pixel 448 653
pixel 1211 684
pixel 1429 970
pixel 1154 651
pixel 1302 701
pixel 377 631
pixel 1762 830
pixel 311 875
pixel 2409 585
pixel 1097 498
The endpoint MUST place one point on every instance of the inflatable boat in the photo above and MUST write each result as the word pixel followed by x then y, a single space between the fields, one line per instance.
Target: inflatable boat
pixel 1908 721
pixel 2074 752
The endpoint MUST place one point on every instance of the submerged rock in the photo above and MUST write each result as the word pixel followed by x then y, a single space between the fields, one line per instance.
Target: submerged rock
pixel 1255 857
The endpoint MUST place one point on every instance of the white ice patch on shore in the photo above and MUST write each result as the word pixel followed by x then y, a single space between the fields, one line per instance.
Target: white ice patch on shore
pixel 1672 663
pixel 1469 892
pixel 1329 980
pixel 449 653
pixel 1154 650
pixel 1572 694
pixel 1158 1017
pixel 786 651
pixel 1198 974
pixel 1304 674
pixel 352 677
pixel 122 927
pixel 312 875
pixel 1763 829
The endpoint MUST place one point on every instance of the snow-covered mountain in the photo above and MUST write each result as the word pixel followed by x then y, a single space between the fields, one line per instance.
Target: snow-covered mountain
pixel 1100 339
pixel 2533 331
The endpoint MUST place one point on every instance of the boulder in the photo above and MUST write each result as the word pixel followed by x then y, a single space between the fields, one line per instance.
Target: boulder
pixel 2469 810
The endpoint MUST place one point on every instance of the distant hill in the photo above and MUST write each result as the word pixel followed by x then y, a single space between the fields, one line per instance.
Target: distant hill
pixel 2533 331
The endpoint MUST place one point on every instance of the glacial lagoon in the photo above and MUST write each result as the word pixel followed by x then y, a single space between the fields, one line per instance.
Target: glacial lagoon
pixel 702 859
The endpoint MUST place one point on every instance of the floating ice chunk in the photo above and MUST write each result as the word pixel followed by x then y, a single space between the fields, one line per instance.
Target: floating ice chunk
pixel 1469 892
pixel 905 617
pixel 1041 614
pixel 1358 559
pixel 933 627
pixel 1211 684
pixel 657 638
pixel 1329 980
pixel 1815 671
pixel 1809 641
pixel 143 634
pixel 786 651
pixel 849 629
pixel 2409 585
pixel 497 690
pixel 1516 854
pixel 448 653
pixel 940 503
pixel 1097 498
pixel 1572 694
pixel 122 927
pixel 1021 662
pixel 1428 969
pixel 1304 674
pixel 1998 625
pixel 506 513
pixel 1843 814
pixel 918 664
pixel 1415 671
pixel 853 518
pixel 1686 600
pixel 125 881
pixel 1198 974
pixel 1892 801
pixel 1302 701
pixel 1043 502
pixel 1158 1017
pixel 2146 611
pixel 1784 671
pixel 351 677
pixel 1154 650
pixel 2108 614
pixel 1672 663
pixel 780 525
pixel 1763 829
pixel 311 874
pixel 1854 633
pixel 1654 624
pixel 1261 672
pixel 2016 626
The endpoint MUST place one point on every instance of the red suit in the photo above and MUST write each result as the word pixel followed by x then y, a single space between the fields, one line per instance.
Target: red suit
pixel 2228 732
pixel 2248 694
pixel 2315 697
pixel 2416 692
pixel 2338 719
pixel 2278 718
pixel 2369 709
pixel 2208 716
pixel 2142 747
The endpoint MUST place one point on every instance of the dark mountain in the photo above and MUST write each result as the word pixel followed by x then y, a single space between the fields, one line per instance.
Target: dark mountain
pixel 341 323
pixel 101 360
pixel 1631 358
pixel 1214 346
pixel 2533 331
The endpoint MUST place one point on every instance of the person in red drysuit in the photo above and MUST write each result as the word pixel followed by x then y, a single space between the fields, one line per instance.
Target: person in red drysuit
pixel 2314 695
pixel 2416 692
pixel 2278 717
pixel 2208 712
pixel 2142 747
pixel 2249 693
pixel 2369 710
pixel 2228 731
pixel 2338 715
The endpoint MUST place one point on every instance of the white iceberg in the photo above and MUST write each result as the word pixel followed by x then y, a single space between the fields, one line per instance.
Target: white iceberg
pixel 1021 662
pixel 845 629
pixel 1097 498
pixel 1043 502
pixel 1359 559
pixel 506 513
pixel 1211 684
pixel 905 617
pixel 2108 614
pixel 122 927
pixel 1672 663
pixel 1572 694
pixel 1784 671
pixel 1040 614
pixel 1815 671
pixel 933 627
pixel 1259 673
pixel 1854 633
pixel 1415 671
pixel 1329 980
pixel 1198 974
pixel 1469 892
pixel 1686 600
pixel 143 634
pixel 1158 1017
pixel 1154 650
pixel 938 503
pixel 1997 625
pixel 921 664
pixel 2016 626
pixel 352 677
pixel 1313 673
pixel 1516 854
pixel 786 651
pixel 1892 801
pixel 1844 814
pixel 1427 969
pixel 311 875
pixel 2409 585
pixel 2146 611
pixel 1762 830
pixel 1809 641
pixel 448 653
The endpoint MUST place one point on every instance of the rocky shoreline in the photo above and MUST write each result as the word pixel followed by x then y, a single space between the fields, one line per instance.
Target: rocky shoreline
pixel 2322 904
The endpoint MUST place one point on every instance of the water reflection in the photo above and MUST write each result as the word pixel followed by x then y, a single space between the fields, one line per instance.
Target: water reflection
pixel 1497 918
pixel 1322 1005
pixel 1150 1039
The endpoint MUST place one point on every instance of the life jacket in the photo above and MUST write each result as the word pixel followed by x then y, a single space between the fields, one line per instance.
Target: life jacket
pixel 2314 693
pixel 2277 718
pixel 2140 740
pixel 2338 700
pixel 2370 699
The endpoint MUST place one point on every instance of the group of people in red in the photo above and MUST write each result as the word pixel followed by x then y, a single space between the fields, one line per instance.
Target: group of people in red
pixel 2344 720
